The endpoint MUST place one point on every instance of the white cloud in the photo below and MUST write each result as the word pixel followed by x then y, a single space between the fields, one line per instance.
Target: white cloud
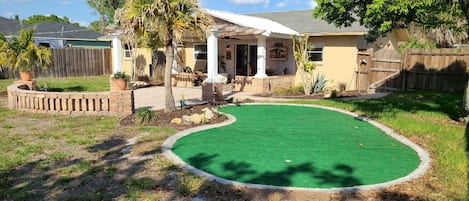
pixel 281 4
pixel 64 2
pixel 8 15
pixel 250 2
pixel 312 3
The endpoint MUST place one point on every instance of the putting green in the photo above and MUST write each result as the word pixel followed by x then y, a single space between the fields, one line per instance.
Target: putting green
pixel 296 146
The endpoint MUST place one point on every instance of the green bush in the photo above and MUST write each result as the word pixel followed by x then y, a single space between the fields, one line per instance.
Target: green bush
pixel 120 75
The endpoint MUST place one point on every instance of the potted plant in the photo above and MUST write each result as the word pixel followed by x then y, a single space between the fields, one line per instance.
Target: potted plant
pixel 20 53
pixel 119 80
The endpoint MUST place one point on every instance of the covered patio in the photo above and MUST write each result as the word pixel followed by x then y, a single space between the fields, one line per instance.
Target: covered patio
pixel 253 54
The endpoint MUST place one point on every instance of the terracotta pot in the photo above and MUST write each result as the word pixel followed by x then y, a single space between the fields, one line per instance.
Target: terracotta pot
pixel 119 84
pixel 26 75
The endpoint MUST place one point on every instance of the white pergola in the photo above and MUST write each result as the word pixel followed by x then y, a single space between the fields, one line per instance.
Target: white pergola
pixel 235 25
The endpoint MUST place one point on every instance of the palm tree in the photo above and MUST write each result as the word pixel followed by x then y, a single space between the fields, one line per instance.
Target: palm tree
pixel 105 9
pixel 21 53
pixel 167 21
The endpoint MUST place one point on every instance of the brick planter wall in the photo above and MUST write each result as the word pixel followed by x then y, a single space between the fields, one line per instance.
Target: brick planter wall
pixel 264 86
pixel 115 103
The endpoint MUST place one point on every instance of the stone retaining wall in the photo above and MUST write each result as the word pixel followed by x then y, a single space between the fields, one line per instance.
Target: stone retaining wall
pixel 115 103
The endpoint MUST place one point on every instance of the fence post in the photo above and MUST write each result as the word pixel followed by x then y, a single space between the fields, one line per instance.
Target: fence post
pixel 404 71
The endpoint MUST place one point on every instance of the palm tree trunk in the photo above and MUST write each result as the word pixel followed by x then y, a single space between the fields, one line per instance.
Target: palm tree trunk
pixel 169 98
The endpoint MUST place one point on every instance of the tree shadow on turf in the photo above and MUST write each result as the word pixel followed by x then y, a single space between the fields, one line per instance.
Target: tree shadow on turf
pixel 340 176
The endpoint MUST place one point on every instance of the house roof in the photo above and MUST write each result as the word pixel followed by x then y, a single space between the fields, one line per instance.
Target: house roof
pixel 57 30
pixel 9 26
pixel 303 22
pixel 259 23
pixel 63 31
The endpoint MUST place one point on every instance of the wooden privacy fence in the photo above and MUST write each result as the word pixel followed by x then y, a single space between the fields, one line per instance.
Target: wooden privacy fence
pixel 73 62
pixel 79 62
pixel 435 69
pixel 417 69
pixel 386 68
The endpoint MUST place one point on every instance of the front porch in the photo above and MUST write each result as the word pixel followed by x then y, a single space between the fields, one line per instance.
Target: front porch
pixel 253 54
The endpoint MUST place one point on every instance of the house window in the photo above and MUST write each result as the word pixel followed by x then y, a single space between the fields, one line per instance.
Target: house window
pixel 127 51
pixel 315 53
pixel 44 45
pixel 200 52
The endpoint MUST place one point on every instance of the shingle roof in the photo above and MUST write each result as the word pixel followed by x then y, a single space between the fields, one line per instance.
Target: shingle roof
pixel 49 30
pixel 253 22
pixel 9 26
pixel 303 22
pixel 63 30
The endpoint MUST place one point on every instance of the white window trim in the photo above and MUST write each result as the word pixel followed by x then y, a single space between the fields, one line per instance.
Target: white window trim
pixel 196 52
pixel 317 46
pixel 127 52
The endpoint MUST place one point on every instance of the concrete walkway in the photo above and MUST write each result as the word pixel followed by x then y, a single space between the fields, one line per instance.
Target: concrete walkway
pixel 153 97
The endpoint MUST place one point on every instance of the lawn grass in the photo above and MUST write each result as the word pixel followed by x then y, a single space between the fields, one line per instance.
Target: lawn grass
pixel 72 84
pixel 53 157
pixel 428 119
pixel 75 84
pixel 4 84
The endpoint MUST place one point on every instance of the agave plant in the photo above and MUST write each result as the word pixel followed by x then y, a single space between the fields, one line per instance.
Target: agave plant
pixel 319 84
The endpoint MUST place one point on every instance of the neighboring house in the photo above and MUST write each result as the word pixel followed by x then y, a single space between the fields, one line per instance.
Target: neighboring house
pixel 55 34
pixel 9 27
pixel 255 51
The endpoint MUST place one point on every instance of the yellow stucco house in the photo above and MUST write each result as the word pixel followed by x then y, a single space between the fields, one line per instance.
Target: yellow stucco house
pixel 254 51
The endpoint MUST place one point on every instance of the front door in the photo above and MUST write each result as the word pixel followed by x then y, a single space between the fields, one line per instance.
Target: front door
pixel 246 59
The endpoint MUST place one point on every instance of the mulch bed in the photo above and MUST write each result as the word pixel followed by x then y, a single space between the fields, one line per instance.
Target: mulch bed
pixel 164 119
pixel 343 94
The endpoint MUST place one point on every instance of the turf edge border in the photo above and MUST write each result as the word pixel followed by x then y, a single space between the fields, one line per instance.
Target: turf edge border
pixel 424 165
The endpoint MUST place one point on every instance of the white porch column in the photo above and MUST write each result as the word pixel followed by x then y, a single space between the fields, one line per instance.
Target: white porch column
pixel 116 53
pixel 212 57
pixel 261 56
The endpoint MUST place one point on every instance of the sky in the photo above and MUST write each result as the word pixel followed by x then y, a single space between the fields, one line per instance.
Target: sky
pixel 79 11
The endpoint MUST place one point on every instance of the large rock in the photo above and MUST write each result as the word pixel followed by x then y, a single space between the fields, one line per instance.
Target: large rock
pixel 186 119
pixel 176 121
pixel 196 118
pixel 208 113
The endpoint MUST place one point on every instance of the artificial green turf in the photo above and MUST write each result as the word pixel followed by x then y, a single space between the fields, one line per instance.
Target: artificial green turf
pixel 326 149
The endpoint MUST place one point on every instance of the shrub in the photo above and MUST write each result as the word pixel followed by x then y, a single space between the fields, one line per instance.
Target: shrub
pixel 342 86
pixel 319 84
pixel 146 115
pixel 120 75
